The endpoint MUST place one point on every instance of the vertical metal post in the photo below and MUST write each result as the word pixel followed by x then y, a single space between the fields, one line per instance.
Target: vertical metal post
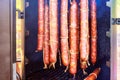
pixel 20 38
pixel 115 40
pixel 13 38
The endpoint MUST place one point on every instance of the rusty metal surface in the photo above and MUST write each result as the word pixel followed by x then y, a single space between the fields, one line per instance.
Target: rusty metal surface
pixel 5 56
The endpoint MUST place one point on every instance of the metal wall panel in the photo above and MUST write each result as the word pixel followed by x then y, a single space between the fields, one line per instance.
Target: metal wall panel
pixel 5 51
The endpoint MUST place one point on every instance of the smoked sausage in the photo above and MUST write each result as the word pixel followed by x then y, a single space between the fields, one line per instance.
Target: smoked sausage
pixel 40 24
pixel 46 46
pixel 64 33
pixel 84 34
pixel 53 16
pixel 93 55
pixel 73 37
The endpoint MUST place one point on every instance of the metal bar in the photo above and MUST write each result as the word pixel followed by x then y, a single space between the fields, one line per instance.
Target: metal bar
pixel 115 40
pixel 20 33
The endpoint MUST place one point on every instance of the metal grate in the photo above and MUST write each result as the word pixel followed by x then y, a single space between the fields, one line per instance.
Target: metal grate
pixel 53 74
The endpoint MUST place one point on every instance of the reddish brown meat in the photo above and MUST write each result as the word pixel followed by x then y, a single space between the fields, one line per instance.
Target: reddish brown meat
pixel 73 37
pixel 46 47
pixel 40 24
pixel 84 34
pixel 53 16
pixel 93 55
pixel 64 32
pixel 93 75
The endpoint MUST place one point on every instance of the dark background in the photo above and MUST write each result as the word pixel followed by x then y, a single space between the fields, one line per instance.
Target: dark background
pixel 34 70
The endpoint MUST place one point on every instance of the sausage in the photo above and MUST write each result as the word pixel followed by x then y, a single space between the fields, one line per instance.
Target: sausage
pixel 64 32
pixel 93 75
pixel 40 24
pixel 84 34
pixel 53 16
pixel 93 55
pixel 73 37
pixel 46 46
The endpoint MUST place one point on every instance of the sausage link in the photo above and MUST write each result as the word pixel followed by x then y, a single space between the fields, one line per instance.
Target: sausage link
pixel 93 55
pixel 53 16
pixel 64 32
pixel 40 24
pixel 93 75
pixel 84 34
pixel 46 48
pixel 73 36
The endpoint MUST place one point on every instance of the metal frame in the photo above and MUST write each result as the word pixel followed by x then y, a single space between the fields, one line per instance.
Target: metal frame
pixel 13 37
pixel 115 41
pixel 20 24
pixel 7 40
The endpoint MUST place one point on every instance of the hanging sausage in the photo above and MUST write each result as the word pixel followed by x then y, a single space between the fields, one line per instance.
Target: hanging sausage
pixel 40 24
pixel 73 36
pixel 84 34
pixel 93 75
pixel 53 16
pixel 64 33
pixel 46 46
pixel 93 54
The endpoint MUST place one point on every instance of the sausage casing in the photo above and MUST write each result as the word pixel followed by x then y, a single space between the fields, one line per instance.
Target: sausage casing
pixel 46 47
pixel 93 75
pixel 53 16
pixel 84 34
pixel 64 32
pixel 93 55
pixel 40 24
pixel 73 36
